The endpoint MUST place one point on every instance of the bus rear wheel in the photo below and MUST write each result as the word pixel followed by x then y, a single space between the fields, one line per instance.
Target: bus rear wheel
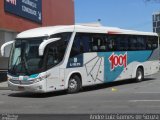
pixel 139 75
pixel 74 84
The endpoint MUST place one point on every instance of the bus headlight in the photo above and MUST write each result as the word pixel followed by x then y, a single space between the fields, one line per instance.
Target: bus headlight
pixel 8 79
pixel 37 80
pixel 40 78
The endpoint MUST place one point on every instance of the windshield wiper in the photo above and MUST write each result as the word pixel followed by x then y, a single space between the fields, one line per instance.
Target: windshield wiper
pixel 14 66
pixel 24 63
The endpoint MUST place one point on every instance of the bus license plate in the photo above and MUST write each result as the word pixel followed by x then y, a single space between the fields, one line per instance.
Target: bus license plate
pixel 20 88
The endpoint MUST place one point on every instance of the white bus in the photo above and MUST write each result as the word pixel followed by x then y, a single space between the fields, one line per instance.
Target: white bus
pixel 69 57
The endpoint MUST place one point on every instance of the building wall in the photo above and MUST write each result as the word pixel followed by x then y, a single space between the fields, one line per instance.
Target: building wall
pixel 6 36
pixel 54 12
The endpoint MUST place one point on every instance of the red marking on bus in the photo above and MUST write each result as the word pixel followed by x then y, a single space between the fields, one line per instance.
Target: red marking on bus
pixel 113 32
pixel 118 60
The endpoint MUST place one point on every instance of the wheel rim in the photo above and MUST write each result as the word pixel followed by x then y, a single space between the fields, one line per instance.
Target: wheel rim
pixel 139 75
pixel 73 84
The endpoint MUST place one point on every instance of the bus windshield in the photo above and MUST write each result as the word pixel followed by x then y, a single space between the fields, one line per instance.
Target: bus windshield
pixel 24 59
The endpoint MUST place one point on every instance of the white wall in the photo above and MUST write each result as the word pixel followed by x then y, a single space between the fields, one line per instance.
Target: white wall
pixel 6 36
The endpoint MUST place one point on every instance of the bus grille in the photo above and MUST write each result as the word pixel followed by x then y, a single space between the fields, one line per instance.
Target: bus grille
pixel 21 82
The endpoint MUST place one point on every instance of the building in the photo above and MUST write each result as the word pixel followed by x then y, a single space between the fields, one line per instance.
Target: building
pixel 19 15
pixel 156 22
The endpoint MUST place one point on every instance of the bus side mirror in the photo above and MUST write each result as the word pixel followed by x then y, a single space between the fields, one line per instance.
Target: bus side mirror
pixel 4 45
pixel 45 43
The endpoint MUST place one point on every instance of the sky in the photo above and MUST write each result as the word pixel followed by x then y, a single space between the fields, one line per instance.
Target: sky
pixel 126 14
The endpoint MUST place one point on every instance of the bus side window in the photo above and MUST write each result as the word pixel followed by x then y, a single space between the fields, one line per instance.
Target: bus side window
pixel 55 51
pixel 103 45
pixel 141 43
pixel 52 57
pixel 75 48
pixel 111 43
pixel 152 43
pixel 133 43
pixel 155 42
pixel 85 38
pixel 80 44
pixel 94 42
pixel 123 43
pixel 98 43
pixel 106 43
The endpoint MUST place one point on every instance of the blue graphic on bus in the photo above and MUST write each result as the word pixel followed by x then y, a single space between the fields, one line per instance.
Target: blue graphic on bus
pixel 76 61
pixel 136 56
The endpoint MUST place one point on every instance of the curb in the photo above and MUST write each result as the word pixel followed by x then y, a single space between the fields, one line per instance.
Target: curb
pixel 4 88
pixel 4 85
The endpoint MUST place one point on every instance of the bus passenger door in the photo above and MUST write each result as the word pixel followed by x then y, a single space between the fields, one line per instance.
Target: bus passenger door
pixel 53 59
pixel 53 82
pixel 56 79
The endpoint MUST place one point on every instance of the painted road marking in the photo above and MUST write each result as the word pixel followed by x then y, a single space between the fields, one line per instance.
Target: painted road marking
pixel 144 100
pixel 147 92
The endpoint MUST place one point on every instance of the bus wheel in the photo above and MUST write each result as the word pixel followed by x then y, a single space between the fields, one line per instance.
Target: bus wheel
pixel 74 84
pixel 139 75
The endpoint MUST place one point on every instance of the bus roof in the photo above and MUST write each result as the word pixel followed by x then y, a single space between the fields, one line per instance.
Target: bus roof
pixel 47 31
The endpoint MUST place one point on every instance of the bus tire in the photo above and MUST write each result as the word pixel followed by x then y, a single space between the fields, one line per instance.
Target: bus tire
pixel 139 75
pixel 74 84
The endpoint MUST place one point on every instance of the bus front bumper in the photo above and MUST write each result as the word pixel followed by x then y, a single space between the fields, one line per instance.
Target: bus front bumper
pixel 39 87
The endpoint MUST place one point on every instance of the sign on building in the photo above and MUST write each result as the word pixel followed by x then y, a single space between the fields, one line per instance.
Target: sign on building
pixel 156 22
pixel 30 9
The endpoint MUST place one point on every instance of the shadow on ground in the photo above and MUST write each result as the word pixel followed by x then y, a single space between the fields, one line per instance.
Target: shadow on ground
pixel 85 89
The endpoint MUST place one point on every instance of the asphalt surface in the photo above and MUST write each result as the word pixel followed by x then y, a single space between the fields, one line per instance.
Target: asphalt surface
pixel 118 97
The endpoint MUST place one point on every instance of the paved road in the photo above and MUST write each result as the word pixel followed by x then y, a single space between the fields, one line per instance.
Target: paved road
pixel 118 97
